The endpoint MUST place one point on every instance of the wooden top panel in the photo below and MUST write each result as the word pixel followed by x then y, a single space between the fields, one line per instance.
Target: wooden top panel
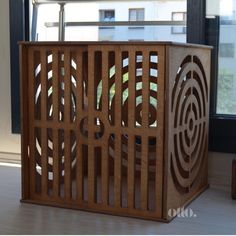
pixel 77 43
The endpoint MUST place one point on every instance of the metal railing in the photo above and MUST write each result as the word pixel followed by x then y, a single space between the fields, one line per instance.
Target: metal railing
pixel 62 24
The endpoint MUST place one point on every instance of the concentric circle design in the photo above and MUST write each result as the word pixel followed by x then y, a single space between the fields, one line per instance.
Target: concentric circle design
pixel 138 107
pixel 49 150
pixel 38 90
pixel 50 110
pixel 98 125
pixel 188 109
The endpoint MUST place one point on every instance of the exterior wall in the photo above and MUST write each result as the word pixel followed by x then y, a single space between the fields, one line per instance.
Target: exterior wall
pixel 74 12
pixel 8 141
pixel 153 11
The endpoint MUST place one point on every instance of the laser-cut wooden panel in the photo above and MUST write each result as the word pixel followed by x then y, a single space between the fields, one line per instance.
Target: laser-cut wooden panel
pixel 95 122
pixel 187 112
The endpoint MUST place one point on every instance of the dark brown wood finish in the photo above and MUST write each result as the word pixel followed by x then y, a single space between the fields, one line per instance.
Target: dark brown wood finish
pixel 25 174
pixel 117 128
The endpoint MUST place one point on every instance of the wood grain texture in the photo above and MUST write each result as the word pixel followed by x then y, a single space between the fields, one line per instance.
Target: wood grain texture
pixel 187 115
pixel 114 127
pixel 118 122
pixel 25 174
pixel 105 106
pixel 79 110
pixel 90 128
pixel 131 123
pixel 55 86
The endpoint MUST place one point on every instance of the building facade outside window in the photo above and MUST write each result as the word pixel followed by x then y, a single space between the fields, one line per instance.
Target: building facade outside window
pixel 46 20
pixel 106 15
pixel 136 14
pixel 226 50
pixel 226 89
pixel 178 16
pixel 226 81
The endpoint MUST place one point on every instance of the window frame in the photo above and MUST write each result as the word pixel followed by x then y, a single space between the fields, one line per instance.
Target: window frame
pixel 106 27
pixel 137 9
pixel 19 31
pixel 179 12
pixel 183 28
pixel 103 10
pixel 222 127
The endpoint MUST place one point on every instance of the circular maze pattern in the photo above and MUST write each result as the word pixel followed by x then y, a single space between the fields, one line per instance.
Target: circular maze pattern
pixel 50 110
pixel 189 113
pixel 138 108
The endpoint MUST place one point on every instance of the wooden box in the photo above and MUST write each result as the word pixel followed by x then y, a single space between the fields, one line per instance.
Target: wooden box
pixel 114 127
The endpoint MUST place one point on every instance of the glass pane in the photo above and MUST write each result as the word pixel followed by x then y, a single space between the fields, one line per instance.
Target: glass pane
pixel 226 84
pixel 126 33
pixel 81 19
pixel 46 13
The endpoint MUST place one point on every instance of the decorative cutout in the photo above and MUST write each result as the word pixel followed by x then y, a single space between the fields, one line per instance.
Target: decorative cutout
pixel 49 82
pixel 189 99
pixel 105 129
pixel 152 105
pixel 98 124
pixel 48 152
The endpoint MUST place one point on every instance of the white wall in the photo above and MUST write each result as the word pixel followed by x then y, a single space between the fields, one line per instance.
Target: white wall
pixel 154 11
pixel 8 142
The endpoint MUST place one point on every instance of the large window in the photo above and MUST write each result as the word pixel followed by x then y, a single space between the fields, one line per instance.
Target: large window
pixel 226 81
pixel 226 89
pixel 221 28
pixel 107 20
pixel 226 50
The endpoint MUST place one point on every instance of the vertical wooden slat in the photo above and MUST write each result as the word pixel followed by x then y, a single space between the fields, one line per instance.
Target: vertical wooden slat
pixel 145 90
pixel 105 168
pixel 67 140
pixel 91 108
pixel 44 144
pixel 160 130
pixel 32 143
pixel 79 110
pixel 55 101
pixel 24 81
pixel 131 125
pixel 117 167
pixel 43 59
pixel 145 122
